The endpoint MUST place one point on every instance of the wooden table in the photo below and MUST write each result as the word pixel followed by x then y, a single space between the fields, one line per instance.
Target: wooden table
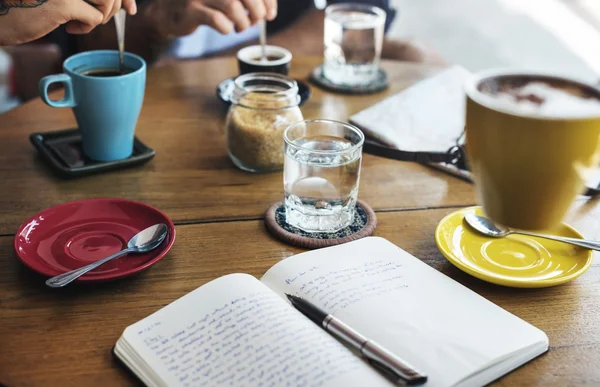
pixel 65 337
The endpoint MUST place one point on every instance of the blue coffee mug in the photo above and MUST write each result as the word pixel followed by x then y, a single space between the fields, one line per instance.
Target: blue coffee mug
pixel 106 107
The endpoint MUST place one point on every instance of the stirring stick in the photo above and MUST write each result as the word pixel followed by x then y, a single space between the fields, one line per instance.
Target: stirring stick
pixel 120 24
pixel 263 40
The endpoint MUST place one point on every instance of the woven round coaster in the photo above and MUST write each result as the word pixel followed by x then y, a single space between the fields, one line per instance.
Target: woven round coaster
pixel 379 83
pixel 363 225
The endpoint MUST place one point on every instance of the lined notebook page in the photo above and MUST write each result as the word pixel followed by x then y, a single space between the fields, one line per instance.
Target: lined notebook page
pixel 234 331
pixel 441 327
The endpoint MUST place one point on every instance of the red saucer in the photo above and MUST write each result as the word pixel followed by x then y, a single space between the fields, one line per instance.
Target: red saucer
pixel 74 234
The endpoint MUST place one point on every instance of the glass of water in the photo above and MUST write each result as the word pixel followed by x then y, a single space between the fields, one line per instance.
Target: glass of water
pixel 321 174
pixel 353 41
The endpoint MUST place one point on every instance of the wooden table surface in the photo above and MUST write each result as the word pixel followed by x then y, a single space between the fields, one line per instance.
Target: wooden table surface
pixel 65 337
pixel 191 179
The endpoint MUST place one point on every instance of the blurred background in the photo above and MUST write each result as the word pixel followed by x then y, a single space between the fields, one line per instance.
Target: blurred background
pixel 555 35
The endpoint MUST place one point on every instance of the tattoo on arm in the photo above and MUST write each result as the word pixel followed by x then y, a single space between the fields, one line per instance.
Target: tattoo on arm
pixel 6 5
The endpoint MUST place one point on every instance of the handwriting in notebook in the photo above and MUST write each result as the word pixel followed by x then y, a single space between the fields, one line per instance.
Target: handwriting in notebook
pixel 338 289
pixel 253 340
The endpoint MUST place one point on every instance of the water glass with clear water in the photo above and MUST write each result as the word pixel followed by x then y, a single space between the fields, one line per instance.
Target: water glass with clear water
pixel 353 42
pixel 321 174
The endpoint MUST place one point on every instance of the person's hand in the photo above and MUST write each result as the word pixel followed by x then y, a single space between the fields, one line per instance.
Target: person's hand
pixel 108 8
pixel 181 17
pixel 23 21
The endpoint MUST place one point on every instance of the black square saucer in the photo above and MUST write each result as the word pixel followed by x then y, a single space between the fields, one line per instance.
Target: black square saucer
pixel 62 151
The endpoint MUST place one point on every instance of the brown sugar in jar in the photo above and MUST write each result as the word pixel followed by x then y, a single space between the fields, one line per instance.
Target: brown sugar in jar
pixel 263 105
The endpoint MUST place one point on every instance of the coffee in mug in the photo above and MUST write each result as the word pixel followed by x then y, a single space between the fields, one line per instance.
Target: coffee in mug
pixel 268 58
pixel 532 141
pixel 105 72
pixel 542 97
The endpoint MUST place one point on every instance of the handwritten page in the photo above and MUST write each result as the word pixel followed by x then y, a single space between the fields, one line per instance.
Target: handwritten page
pixel 438 325
pixel 373 278
pixel 234 331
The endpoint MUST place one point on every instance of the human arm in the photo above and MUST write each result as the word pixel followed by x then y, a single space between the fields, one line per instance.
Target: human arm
pixel 158 22
pixel 299 27
pixel 23 21
pixel 304 36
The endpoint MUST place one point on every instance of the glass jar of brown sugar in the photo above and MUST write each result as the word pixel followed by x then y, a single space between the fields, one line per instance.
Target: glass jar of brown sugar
pixel 262 106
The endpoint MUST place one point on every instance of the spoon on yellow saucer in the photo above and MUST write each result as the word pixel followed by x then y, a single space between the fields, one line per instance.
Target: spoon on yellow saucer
pixel 487 227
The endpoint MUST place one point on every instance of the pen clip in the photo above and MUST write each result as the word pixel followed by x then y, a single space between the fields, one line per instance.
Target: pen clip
pixel 394 376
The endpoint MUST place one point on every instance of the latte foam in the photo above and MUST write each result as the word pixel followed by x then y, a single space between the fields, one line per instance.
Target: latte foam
pixel 542 98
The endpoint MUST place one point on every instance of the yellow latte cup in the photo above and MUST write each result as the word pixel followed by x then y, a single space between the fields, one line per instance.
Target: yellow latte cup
pixel 532 140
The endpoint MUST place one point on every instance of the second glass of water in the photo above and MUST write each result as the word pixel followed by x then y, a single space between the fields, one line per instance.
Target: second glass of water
pixel 321 174
pixel 353 41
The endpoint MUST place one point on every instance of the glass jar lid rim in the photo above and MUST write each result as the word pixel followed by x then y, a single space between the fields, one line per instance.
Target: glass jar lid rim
pixel 275 84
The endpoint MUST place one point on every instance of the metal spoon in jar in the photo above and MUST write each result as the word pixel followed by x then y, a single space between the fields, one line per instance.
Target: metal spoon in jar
pixel 263 40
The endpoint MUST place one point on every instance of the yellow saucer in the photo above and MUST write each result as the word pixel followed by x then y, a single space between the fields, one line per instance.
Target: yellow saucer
pixel 516 260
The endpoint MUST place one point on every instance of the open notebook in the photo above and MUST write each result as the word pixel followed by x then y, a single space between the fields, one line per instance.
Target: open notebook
pixel 239 331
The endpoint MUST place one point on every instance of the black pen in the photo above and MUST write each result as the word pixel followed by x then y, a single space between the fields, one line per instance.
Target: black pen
pixel 389 364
